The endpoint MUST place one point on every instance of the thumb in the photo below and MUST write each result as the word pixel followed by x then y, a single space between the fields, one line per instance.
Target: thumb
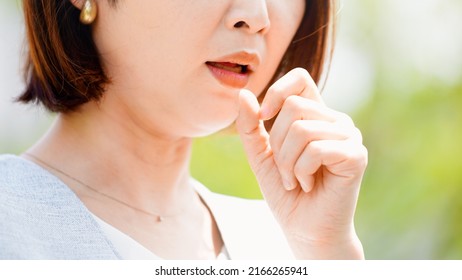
pixel 251 129
pixel 255 140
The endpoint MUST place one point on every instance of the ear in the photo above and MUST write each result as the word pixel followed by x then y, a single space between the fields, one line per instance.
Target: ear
pixel 77 3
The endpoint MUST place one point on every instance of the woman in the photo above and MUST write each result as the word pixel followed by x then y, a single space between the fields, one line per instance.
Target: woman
pixel 133 83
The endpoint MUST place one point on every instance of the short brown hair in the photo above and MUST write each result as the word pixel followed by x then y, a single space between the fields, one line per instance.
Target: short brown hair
pixel 63 69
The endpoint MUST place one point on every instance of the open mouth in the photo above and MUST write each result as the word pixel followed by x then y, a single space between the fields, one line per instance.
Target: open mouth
pixel 228 66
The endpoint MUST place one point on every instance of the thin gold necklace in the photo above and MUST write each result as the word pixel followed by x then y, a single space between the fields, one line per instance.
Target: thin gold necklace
pixel 159 218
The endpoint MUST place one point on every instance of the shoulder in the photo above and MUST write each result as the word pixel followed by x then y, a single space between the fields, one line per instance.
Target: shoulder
pixel 23 182
pixel 41 218
pixel 16 170
pixel 17 177
pixel 10 168
pixel 21 201
pixel 26 201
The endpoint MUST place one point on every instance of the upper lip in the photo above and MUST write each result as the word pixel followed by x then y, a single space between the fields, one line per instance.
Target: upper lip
pixel 249 59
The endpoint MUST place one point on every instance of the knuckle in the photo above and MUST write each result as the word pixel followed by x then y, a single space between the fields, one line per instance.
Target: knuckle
pixel 299 129
pixel 292 101
pixel 297 104
pixel 358 157
pixel 301 73
pixel 364 158
pixel 315 149
pixel 345 118
pixel 275 90
pixel 356 134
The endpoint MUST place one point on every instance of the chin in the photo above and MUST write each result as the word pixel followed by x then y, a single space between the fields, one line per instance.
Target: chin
pixel 212 126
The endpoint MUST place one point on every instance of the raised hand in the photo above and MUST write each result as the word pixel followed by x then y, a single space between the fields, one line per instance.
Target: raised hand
pixel 309 166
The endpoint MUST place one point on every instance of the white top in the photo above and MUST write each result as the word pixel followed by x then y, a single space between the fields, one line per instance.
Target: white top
pixel 130 249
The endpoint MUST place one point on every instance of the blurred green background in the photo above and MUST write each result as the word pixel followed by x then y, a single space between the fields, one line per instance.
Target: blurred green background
pixel 397 71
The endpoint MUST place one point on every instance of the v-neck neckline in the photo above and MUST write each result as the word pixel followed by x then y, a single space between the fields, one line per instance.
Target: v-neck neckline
pixel 200 189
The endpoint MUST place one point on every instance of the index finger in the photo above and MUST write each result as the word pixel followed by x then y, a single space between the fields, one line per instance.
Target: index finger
pixel 296 82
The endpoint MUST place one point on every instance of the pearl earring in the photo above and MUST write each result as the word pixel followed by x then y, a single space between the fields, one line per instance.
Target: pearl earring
pixel 88 13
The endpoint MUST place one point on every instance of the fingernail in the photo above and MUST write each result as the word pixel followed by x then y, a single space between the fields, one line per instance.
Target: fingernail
pixel 304 187
pixel 264 113
pixel 287 185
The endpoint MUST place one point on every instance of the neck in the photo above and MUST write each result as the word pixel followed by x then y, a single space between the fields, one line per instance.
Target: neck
pixel 115 156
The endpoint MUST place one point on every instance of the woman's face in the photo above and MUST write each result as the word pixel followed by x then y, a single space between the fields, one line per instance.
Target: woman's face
pixel 177 66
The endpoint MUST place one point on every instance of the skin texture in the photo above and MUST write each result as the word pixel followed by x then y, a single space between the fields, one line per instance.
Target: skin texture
pixel 134 145
pixel 172 41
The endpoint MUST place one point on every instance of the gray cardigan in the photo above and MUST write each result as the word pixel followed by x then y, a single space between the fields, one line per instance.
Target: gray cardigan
pixel 41 218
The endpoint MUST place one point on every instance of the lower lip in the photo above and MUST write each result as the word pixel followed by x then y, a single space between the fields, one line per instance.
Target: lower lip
pixel 229 78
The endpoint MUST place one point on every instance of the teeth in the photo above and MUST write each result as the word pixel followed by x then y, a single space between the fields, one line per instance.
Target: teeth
pixel 236 68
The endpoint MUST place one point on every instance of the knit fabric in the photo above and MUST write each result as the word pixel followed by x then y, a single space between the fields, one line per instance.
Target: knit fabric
pixel 41 218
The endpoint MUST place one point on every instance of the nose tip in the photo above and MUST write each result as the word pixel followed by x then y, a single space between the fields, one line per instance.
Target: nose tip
pixel 250 16
pixel 250 28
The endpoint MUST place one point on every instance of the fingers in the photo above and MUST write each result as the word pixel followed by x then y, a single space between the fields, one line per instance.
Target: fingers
pixel 248 120
pixel 310 145
pixel 298 108
pixel 302 133
pixel 251 129
pixel 344 158
pixel 297 82
pixel 307 137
